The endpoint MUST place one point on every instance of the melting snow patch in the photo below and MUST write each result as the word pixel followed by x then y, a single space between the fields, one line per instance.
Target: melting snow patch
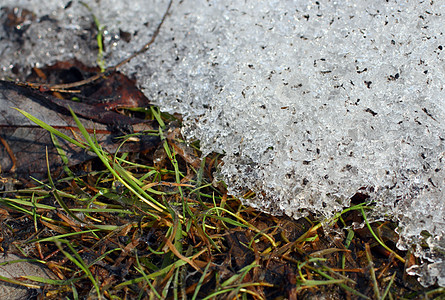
pixel 310 103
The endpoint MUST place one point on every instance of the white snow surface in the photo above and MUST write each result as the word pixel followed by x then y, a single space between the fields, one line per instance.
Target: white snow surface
pixel 310 101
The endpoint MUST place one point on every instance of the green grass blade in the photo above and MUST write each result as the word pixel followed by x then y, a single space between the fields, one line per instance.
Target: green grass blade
pixel 163 271
pixel 378 239
pixel 201 280
pixel 18 282
pixel 127 182
pixel 77 260
pixel 56 195
pixel 51 129
pixel 58 237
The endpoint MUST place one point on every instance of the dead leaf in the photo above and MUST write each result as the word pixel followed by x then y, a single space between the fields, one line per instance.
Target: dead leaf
pixel 15 270
pixel 28 142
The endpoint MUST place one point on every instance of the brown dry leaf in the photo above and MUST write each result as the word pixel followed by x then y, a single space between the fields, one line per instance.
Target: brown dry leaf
pixel 15 270
pixel 26 143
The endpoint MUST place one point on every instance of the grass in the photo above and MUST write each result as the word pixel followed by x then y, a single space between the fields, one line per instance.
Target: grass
pixel 155 226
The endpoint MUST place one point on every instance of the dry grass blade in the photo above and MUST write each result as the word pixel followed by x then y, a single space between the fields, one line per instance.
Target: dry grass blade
pixel 375 285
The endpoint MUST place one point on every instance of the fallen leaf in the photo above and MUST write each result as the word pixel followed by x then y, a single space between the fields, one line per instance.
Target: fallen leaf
pixel 24 144
pixel 13 267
